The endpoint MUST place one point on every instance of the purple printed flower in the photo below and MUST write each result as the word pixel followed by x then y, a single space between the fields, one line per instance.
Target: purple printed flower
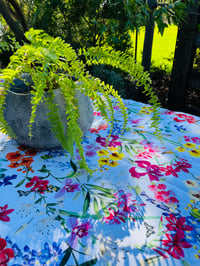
pixel 111 143
pixel 68 187
pixel 79 229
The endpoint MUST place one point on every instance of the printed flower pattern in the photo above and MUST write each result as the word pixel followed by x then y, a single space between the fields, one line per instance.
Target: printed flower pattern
pixel 6 254
pixel 57 214
pixel 153 171
pixel 4 211
pixel 38 185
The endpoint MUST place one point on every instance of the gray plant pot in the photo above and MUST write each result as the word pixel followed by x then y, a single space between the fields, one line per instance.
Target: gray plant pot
pixel 17 114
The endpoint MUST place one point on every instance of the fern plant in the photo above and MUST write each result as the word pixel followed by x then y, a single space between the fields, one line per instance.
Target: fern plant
pixel 52 63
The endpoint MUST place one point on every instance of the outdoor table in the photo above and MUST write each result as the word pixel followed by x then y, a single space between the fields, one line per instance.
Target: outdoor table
pixel 140 207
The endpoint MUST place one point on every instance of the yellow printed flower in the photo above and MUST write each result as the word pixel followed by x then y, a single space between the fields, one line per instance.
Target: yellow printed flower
pixel 115 156
pixel 113 148
pixel 103 161
pixel 113 164
pixel 146 110
pixel 180 149
pixel 189 145
pixel 194 153
pixel 103 153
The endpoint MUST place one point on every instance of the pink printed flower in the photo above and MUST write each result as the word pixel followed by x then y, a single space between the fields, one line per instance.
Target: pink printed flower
pixel 147 153
pixel 177 224
pixel 68 187
pixel 182 165
pixel 169 170
pixel 183 117
pixel 136 121
pixel 163 195
pixel 4 213
pixel 175 244
pixel 111 143
pixel 78 230
pixel 6 254
pixel 152 170
pixel 38 185
pixel 169 112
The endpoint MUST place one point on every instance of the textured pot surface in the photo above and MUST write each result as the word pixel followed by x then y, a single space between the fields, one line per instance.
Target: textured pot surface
pixel 18 111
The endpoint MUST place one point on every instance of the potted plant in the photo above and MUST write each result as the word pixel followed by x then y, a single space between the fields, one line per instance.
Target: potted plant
pixel 56 79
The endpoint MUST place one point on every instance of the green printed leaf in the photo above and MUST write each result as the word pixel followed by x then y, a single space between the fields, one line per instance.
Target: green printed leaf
pixel 2 176
pixel 2 170
pixel 66 257
pixel 20 183
pixel 128 151
pixel 76 197
pixel 160 225
pixel 96 208
pixel 3 160
pixel 45 157
pixel 106 190
pixel 86 204
pixel 104 208
pixel 44 169
pixel 38 201
pixel 137 190
pixel 185 263
pixel 119 149
pixel 89 262
pixel 73 166
pixel 106 195
pixel 69 214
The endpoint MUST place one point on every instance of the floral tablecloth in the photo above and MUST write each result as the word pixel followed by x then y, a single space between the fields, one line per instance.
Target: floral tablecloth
pixel 140 207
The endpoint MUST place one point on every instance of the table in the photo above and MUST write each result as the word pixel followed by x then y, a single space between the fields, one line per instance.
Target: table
pixel 140 207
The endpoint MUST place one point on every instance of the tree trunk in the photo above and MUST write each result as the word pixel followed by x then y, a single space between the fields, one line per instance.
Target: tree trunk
pixel 20 37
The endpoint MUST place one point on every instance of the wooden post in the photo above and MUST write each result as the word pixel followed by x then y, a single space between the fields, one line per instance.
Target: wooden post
pixel 183 59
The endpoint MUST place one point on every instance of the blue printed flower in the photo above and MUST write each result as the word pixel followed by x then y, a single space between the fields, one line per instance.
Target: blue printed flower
pixel 7 180
pixel 180 128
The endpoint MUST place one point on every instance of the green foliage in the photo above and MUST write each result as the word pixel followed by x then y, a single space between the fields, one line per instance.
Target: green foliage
pixel 52 63
pixel 87 22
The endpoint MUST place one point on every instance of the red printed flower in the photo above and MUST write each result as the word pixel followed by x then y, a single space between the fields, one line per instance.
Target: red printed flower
pixel 4 213
pixel 5 253
pixel 38 184
pixel 182 117
pixel 152 170
pixel 175 244
pixel 177 224
pixel 169 170
pixel 182 165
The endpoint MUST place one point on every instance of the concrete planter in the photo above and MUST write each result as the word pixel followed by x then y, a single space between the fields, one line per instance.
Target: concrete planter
pixel 18 111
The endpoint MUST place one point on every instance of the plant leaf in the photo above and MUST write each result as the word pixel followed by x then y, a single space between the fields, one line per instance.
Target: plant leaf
pixel 86 203
pixel 89 262
pixel 66 257
pixel 96 208
pixel 20 183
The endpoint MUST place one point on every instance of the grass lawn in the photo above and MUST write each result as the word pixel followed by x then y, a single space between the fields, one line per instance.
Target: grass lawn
pixel 163 47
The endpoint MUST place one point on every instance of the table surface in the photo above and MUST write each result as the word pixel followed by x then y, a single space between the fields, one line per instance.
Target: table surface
pixel 140 207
